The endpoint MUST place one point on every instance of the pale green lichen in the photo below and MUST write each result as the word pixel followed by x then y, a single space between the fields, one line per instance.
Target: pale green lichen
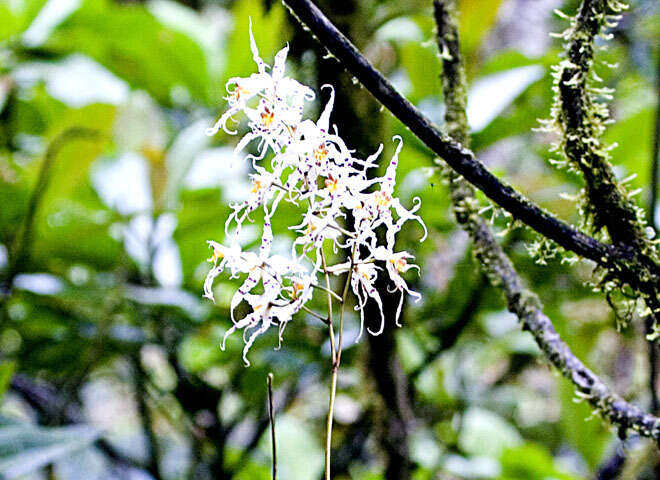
pixel 580 115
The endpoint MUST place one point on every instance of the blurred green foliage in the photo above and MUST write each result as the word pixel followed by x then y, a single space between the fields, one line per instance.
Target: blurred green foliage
pixel 102 321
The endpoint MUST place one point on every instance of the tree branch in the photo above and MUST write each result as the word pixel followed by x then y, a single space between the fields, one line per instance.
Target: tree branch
pixel 498 266
pixel 461 159
pixel 579 115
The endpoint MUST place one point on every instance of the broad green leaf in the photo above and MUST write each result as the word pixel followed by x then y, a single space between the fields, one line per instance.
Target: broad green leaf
pixel 530 461
pixel 269 30
pixel 49 17
pixel 633 137
pixel 491 95
pixel 423 68
pixel 584 431
pixel 26 448
pixel 201 217
pixel 485 433
pixel 476 17
pixel 6 372
pixel 17 16
pixel 134 45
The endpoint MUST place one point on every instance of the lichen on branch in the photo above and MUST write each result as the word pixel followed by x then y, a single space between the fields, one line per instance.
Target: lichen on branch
pixel 498 267
pixel 579 116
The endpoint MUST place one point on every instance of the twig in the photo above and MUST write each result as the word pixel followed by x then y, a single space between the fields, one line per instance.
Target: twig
pixel 327 290
pixel 271 415
pixel 315 315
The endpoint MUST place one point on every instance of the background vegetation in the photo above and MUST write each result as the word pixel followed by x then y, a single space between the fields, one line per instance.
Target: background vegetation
pixel 109 188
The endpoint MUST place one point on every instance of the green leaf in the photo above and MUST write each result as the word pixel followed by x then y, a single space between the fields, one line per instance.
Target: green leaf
pixel 485 433
pixel 476 17
pixel 423 68
pixel 530 461
pixel 6 372
pixel 26 448
pixel 588 435
pixel 633 136
pixel 269 29
pixel 134 45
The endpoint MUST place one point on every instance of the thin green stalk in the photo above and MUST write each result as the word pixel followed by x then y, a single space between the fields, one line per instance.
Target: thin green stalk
pixel 333 355
pixel 336 360
pixel 271 415
pixel 315 315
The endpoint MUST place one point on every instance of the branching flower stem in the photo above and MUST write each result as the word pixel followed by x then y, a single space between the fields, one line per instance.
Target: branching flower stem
pixel 623 262
pixel 304 308
pixel 498 267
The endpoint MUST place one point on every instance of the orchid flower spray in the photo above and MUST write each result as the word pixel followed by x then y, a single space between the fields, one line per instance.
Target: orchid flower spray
pixel 306 163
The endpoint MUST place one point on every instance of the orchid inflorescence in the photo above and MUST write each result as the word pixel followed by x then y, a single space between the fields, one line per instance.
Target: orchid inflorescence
pixel 310 166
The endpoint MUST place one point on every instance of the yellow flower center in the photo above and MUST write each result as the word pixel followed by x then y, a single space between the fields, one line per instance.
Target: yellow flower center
pixel 256 186
pixel 267 117
pixel 382 199
pixel 310 228
pixel 399 264
pixel 297 288
pixel 238 91
pixel 331 184
pixel 217 255
pixel 320 153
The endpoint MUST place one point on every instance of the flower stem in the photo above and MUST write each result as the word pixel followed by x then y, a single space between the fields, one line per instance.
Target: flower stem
pixel 315 315
pixel 271 414
pixel 336 357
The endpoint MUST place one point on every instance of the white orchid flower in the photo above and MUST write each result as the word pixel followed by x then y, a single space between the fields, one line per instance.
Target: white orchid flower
pixel 397 264
pixel 307 164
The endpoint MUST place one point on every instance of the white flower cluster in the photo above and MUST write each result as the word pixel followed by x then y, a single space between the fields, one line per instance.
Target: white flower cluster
pixel 309 166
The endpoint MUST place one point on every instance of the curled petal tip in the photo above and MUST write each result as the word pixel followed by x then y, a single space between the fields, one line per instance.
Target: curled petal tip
pixel 375 334
pixel 245 360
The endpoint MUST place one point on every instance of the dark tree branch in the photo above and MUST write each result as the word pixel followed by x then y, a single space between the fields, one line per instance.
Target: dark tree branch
pixel 146 418
pixel 461 159
pixel 499 269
